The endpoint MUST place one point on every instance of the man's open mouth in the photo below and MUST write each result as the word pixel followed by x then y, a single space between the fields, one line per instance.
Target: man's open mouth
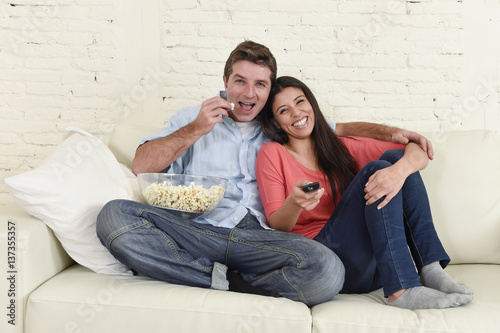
pixel 246 106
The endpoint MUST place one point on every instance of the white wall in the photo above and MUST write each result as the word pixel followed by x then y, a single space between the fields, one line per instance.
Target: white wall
pixel 425 65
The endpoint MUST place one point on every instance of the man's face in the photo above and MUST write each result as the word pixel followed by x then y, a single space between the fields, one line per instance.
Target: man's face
pixel 248 88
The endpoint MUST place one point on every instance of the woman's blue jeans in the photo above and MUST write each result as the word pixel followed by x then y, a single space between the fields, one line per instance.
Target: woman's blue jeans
pixel 155 243
pixel 388 247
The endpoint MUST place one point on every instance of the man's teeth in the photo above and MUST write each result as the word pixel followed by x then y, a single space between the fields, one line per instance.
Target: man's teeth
pixel 247 106
pixel 300 123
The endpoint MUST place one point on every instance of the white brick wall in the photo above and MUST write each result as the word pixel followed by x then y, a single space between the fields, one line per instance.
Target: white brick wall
pixel 422 64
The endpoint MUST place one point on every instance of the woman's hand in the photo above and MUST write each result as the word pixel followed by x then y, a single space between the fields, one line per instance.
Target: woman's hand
pixel 389 181
pixel 301 199
pixel 285 217
pixel 385 182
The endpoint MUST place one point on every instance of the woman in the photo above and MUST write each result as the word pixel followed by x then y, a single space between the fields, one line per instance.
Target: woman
pixel 373 213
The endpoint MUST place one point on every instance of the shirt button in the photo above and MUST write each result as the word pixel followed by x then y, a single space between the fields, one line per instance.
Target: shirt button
pixel 233 124
pixel 236 218
pixel 244 170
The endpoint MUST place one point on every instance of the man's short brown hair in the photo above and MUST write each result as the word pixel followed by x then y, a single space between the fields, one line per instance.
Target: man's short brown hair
pixel 252 52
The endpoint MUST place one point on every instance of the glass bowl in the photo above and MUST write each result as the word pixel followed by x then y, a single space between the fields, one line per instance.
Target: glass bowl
pixel 187 196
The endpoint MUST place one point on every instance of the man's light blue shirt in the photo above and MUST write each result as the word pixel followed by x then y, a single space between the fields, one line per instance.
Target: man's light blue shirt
pixel 222 153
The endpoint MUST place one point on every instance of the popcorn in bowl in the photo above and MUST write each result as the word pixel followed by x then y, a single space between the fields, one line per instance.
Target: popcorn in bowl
pixel 192 198
pixel 186 195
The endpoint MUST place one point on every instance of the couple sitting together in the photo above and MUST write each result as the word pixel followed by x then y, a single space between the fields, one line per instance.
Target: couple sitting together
pixel 367 226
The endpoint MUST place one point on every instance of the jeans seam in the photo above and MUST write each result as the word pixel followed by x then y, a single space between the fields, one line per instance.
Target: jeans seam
pixel 414 244
pixel 172 247
pixel 269 248
pixel 282 273
pixel 198 230
pixel 111 239
pixel 232 239
pixel 205 232
pixel 229 246
pixel 148 225
pixel 299 293
pixel 390 247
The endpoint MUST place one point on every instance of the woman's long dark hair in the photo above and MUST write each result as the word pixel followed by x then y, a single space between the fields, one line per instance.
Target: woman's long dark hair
pixel 332 155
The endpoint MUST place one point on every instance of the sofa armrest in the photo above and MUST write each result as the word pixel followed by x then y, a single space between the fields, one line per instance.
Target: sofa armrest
pixel 31 255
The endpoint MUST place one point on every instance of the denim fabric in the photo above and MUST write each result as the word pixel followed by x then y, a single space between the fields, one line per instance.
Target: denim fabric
pixel 388 247
pixel 163 246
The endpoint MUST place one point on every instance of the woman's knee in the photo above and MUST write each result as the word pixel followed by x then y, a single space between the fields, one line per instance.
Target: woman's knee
pixel 392 156
pixel 376 165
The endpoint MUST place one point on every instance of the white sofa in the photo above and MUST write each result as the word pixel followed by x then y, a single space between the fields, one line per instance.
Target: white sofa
pixel 55 294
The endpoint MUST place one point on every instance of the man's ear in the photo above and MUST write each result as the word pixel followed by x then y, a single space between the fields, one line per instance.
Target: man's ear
pixel 224 79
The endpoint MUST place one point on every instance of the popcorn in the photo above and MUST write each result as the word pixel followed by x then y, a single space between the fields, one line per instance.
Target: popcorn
pixel 192 198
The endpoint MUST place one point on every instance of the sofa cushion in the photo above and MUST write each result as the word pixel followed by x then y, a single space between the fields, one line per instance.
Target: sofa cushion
pixel 81 301
pixel 368 313
pixel 125 139
pixel 68 190
pixel 463 183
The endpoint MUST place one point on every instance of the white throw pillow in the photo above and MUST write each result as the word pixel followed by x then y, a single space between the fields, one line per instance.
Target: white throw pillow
pixel 68 190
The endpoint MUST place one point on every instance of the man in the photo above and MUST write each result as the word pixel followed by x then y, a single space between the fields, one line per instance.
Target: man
pixel 221 138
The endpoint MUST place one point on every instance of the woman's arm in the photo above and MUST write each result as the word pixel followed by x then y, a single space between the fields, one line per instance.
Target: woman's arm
pixel 282 211
pixel 387 182
pixel 285 217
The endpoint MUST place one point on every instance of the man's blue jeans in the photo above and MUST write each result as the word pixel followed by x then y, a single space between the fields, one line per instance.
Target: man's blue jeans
pixel 388 247
pixel 155 243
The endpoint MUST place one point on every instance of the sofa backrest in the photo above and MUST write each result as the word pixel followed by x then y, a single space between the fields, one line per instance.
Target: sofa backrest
pixel 463 184
pixel 125 139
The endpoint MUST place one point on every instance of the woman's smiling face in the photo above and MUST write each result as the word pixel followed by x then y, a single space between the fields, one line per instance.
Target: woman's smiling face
pixel 293 113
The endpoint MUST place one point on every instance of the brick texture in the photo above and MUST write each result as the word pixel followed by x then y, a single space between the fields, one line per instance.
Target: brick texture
pixel 425 65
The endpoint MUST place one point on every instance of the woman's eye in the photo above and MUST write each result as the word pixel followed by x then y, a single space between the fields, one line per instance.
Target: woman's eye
pixel 300 101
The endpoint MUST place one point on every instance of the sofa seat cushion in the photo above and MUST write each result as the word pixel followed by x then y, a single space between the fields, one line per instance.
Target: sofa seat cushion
pixel 79 300
pixel 368 312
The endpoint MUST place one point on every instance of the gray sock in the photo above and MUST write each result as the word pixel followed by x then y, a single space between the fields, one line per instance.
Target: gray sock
pixel 428 298
pixel 434 276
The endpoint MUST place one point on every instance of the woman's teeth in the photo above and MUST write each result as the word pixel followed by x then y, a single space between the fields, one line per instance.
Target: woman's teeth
pixel 300 122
